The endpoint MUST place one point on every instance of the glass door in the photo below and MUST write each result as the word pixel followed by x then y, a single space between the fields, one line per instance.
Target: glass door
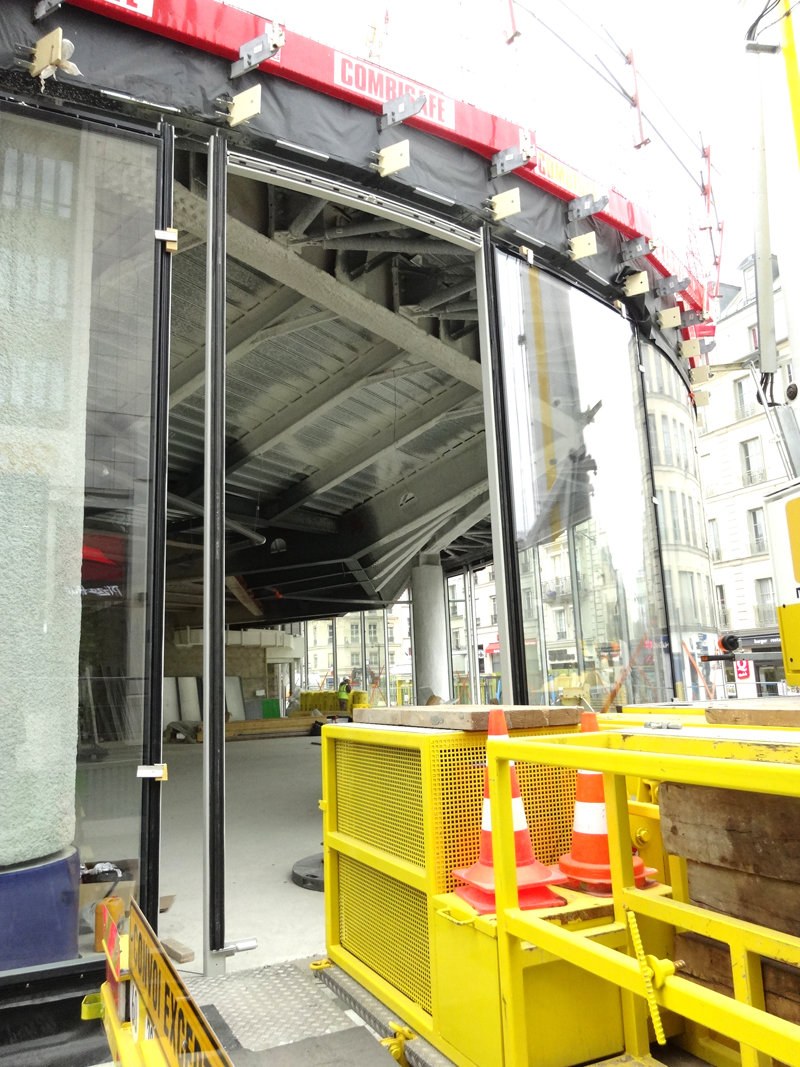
pixel 82 590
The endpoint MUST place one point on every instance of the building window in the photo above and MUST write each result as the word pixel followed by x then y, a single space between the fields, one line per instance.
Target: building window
pixel 666 439
pixel 355 659
pixel 527 603
pixel 687 536
pixel 713 541
pixel 490 574
pixel 354 631
pixel 493 602
pixel 560 623
pixel 330 634
pixel 684 450
pixel 744 398
pixel 752 462
pixel 723 615
pixel 676 522
pixel 653 436
pixel 752 337
pixel 316 660
pixel 749 277
pixel 757 531
pixel 688 606
pixel 391 659
pixel 372 632
pixel 765 603
pixel 660 515
pixel 525 562
pixel 390 630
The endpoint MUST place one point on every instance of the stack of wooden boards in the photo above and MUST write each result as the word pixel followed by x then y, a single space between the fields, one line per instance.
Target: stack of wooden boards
pixel 742 854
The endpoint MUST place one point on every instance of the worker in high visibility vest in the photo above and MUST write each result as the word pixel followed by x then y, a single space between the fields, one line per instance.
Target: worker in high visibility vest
pixel 344 690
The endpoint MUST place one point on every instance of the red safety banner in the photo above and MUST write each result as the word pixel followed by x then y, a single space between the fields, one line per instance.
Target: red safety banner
pixel 220 28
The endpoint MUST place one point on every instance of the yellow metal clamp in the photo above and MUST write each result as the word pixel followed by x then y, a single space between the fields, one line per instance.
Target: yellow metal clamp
pixel 446 914
pixel 654 971
pixel 92 1006
pixel 396 1044
pixel 320 965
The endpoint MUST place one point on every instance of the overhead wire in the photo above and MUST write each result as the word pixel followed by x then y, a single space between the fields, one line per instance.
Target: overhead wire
pixel 613 84
pixel 784 15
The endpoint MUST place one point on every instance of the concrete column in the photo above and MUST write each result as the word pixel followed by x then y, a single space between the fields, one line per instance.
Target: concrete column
pixel 431 666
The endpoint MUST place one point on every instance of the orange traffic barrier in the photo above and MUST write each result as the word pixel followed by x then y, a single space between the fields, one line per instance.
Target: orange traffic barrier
pixel 587 865
pixel 533 877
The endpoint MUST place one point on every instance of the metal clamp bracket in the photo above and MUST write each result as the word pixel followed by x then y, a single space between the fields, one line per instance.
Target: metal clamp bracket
pixel 634 249
pixel 399 109
pixel 396 1043
pixel 509 159
pixel 582 207
pixel 170 237
pixel 153 770
pixel 45 8
pixel 253 53
pixel 671 285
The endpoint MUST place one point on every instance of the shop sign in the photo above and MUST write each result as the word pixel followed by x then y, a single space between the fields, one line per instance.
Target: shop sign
pixel 171 1016
pixel 742 670
pixel 380 85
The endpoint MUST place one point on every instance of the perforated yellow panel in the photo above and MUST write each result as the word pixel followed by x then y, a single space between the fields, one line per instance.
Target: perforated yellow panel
pixel 457 763
pixel 384 923
pixel 379 798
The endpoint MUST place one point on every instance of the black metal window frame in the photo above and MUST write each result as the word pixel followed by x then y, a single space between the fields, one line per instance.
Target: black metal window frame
pixel 162 135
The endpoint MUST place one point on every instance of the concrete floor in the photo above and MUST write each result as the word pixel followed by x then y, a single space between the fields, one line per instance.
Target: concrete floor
pixel 273 788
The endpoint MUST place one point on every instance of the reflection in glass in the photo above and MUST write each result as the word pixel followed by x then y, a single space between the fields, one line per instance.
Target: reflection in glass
pixel 77 211
pixel 593 614
pixel 682 526
pixel 459 638
pixel 375 645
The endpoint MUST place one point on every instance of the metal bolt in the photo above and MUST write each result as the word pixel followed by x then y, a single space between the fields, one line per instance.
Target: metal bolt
pixel 642 835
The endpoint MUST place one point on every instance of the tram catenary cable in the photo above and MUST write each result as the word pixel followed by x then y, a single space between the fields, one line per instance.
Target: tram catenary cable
pixel 613 85
pixel 784 15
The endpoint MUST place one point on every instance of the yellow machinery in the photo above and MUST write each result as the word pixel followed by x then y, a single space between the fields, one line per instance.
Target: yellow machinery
pixel 557 987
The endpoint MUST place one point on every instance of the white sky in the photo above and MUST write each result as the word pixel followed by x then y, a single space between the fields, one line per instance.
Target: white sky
pixel 689 53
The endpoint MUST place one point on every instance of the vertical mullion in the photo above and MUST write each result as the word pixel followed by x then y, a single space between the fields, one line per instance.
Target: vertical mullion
pixel 150 846
pixel 214 560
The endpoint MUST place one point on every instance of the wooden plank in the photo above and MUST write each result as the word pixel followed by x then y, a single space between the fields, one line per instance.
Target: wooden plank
pixel 766 711
pixel 250 729
pixel 750 832
pixel 767 901
pixel 473 718
pixel 708 963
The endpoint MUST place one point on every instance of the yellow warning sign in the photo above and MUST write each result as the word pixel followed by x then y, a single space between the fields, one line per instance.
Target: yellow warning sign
pixel 171 1016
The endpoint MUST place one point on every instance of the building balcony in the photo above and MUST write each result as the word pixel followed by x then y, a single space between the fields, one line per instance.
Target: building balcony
pixel 754 477
pixel 747 410
pixel 765 615
pixel 555 587
pixel 758 546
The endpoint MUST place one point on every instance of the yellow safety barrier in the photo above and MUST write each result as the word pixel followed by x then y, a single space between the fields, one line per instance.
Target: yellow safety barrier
pixel 715 761
pixel 148 1015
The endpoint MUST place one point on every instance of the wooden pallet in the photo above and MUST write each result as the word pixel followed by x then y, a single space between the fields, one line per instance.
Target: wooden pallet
pixel 251 729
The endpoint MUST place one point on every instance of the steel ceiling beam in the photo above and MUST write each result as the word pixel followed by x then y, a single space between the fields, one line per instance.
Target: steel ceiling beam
pixel 278 262
pixel 188 377
pixel 311 405
pixel 373 448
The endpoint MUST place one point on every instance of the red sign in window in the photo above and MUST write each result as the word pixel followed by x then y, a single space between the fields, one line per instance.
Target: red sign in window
pixel 742 670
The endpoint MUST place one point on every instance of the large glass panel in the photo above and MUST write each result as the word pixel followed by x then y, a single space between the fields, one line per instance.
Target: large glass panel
pixel 487 636
pixel 398 634
pixel 375 645
pixel 682 526
pixel 459 638
pixel 320 654
pixel 77 214
pixel 592 607
pixel 349 654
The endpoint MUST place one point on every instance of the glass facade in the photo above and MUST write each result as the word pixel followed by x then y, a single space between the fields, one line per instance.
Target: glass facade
pixel 77 214
pixel 682 526
pixel 590 587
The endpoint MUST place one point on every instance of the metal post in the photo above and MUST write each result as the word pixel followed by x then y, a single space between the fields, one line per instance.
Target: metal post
pixel 506 564
pixel 156 550
pixel 767 347
pixel 214 567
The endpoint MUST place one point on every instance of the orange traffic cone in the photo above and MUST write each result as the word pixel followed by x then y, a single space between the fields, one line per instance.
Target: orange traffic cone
pixel 587 866
pixel 533 877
